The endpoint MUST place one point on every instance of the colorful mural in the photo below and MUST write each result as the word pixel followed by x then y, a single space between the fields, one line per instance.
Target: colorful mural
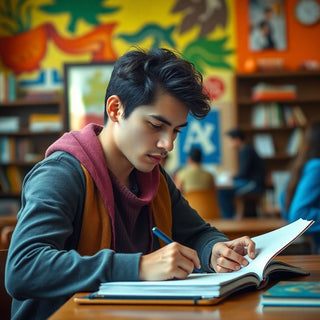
pixel 91 31
pixel 37 37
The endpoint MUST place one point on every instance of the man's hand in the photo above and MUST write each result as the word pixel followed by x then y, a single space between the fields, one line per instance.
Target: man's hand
pixel 228 256
pixel 170 262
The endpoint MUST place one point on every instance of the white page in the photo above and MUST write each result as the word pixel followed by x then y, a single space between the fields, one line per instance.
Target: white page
pixel 268 245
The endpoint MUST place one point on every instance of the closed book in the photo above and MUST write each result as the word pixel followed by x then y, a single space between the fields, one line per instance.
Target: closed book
pixel 292 293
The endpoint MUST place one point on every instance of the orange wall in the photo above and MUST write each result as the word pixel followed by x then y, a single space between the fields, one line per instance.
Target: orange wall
pixel 303 42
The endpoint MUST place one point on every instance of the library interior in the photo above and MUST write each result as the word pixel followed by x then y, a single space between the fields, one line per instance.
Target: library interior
pixel 251 166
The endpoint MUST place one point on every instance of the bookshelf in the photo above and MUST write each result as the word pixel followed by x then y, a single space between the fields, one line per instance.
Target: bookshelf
pixel 268 113
pixel 27 128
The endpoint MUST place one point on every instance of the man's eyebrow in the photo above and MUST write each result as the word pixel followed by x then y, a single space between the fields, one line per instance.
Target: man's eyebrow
pixel 164 120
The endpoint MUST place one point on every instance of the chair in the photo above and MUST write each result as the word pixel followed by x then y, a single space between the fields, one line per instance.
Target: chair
pixel 7 223
pixel 249 205
pixel 5 236
pixel 5 299
pixel 205 202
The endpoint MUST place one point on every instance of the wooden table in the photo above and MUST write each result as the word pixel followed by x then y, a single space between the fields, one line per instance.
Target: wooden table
pixel 245 305
pixel 247 226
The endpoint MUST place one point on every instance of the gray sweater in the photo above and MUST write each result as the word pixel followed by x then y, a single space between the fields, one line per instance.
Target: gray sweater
pixel 44 269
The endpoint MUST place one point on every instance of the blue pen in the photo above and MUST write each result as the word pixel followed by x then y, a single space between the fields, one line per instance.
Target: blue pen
pixel 166 239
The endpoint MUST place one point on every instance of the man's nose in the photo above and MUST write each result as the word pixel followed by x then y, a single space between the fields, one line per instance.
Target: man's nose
pixel 166 142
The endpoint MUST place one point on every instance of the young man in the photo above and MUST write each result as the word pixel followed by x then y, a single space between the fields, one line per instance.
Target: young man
pixel 88 209
pixel 250 177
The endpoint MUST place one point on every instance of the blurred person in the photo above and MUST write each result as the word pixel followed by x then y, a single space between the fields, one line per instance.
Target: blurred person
pixel 193 177
pixel 250 178
pixel 301 197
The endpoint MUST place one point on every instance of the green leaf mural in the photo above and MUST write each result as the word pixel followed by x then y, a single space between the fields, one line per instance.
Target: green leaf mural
pixel 86 10
pixel 15 16
pixel 209 52
pixel 159 34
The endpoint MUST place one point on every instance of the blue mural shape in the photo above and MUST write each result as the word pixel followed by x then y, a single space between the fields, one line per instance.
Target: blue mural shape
pixel 204 134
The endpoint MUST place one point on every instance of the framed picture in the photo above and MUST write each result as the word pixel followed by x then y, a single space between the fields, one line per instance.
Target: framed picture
pixel 85 86
pixel 267 25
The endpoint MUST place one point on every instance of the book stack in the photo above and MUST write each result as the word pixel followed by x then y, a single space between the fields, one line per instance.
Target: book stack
pixel 45 122
pixel 268 92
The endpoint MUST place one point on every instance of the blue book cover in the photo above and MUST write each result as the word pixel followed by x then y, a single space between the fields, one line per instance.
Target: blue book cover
pixel 292 293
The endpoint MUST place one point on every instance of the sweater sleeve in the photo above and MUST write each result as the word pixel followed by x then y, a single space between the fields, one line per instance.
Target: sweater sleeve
pixel 190 229
pixel 42 260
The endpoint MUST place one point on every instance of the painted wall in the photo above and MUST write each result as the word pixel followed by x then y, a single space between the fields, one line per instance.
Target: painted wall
pixel 39 36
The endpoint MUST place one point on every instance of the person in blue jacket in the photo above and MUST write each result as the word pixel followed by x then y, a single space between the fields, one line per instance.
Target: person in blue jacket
pixel 250 177
pixel 88 209
pixel 301 197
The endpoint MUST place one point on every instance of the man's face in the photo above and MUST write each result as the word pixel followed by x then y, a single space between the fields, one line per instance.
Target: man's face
pixel 148 134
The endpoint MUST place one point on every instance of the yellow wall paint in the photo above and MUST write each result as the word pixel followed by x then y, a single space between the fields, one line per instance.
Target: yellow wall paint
pixel 132 17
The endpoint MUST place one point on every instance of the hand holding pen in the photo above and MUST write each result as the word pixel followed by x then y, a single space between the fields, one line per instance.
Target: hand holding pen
pixel 173 261
pixel 167 240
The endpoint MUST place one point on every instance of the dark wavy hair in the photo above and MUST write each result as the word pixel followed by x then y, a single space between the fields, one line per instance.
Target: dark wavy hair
pixel 310 149
pixel 139 76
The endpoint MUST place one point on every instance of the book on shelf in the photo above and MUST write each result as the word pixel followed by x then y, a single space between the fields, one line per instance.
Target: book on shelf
pixel 33 94
pixel 9 124
pixel 4 182
pixel 292 293
pixel 209 288
pixel 266 115
pixel 9 206
pixel 263 144
pixel 280 179
pixel 299 115
pixel 8 87
pixel 39 122
pixel 15 178
pixel 14 149
pixel 294 142
pixel 289 118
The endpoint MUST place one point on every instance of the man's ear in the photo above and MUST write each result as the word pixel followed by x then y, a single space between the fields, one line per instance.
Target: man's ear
pixel 114 108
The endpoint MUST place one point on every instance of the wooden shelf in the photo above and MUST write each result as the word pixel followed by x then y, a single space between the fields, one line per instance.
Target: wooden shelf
pixel 24 145
pixel 307 84
pixel 31 103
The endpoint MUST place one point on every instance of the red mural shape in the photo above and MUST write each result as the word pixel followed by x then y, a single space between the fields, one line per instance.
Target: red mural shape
pixel 25 51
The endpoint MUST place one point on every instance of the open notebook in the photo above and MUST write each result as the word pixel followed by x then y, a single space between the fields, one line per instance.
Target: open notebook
pixel 207 288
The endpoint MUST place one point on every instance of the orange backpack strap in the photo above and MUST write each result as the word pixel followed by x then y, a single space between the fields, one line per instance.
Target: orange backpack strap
pixel 96 225
pixel 161 208
pixel 96 228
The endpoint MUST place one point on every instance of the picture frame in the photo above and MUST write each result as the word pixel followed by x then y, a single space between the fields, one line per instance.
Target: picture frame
pixel 267 23
pixel 85 86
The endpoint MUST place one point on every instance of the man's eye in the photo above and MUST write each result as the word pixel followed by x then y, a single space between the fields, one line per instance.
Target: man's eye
pixel 155 126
